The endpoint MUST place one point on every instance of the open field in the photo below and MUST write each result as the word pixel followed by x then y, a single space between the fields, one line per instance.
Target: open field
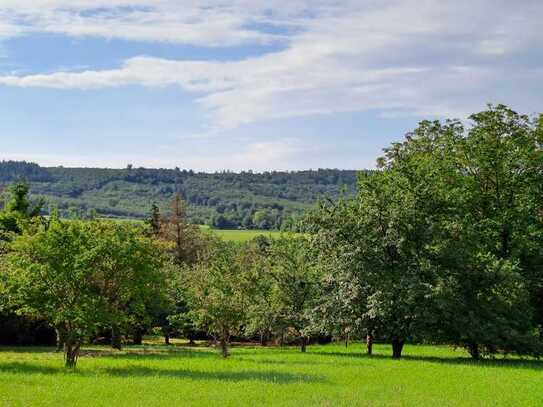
pixel 327 375
pixel 240 235
pixel 231 235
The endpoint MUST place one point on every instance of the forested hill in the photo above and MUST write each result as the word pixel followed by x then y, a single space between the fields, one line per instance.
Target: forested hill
pixel 224 200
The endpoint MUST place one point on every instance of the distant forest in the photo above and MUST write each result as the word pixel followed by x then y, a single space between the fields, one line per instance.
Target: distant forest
pixel 247 200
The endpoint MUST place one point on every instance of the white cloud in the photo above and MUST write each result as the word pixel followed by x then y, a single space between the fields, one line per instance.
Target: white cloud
pixel 402 57
pixel 204 22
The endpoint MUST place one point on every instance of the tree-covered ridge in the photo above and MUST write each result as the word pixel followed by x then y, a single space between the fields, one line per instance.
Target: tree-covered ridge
pixel 12 170
pixel 224 199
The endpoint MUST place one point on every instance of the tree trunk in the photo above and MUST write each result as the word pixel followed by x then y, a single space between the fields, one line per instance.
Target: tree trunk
pixel 60 338
pixel 167 338
pixel 116 340
pixel 303 344
pixel 263 338
pixel 71 349
pixel 223 343
pixel 138 337
pixel 397 347
pixel 473 349
pixel 347 340
pixel 369 343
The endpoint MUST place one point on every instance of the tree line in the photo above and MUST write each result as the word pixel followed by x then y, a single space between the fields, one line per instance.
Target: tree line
pixel 222 200
pixel 442 244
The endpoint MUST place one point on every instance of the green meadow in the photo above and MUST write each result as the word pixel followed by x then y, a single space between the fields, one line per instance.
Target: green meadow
pixel 238 235
pixel 328 375
pixel 230 235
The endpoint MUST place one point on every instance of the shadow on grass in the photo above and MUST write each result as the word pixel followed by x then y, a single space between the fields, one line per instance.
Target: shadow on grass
pixel 26 349
pixel 304 360
pixel 127 353
pixel 150 353
pixel 230 376
pixel 142 371
pixel 26 368
pixel 531 364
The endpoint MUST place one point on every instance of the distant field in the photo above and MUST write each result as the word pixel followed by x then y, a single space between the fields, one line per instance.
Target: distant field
pixel 230 235
pixel 241 235
pixel 330 375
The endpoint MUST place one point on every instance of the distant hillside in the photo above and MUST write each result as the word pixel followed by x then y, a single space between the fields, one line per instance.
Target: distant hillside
pixel 223 200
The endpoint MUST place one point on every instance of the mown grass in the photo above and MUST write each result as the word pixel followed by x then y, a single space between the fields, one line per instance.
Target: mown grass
pixel 330 375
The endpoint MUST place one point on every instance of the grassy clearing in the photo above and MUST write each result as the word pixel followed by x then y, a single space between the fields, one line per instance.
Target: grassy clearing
pixel 241 235
pixel 328 375
pixel 231 235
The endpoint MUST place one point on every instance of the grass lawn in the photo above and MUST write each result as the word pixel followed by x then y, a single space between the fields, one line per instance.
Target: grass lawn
pixel 330 375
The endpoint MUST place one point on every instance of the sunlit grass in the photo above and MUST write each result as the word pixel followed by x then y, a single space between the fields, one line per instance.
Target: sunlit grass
pixel 231 235
pixel 235 235
pixel 328 375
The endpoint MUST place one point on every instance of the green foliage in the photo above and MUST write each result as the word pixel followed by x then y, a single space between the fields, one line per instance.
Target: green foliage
pixel 217 289
pixel 18 210
pixel 222 200
pixel 129 274
pixel 373 255
pixel 80 276
pixel 485 308
pixel 52 275
pixel 154 220
pixel 295 285
pixel 444 242
pixel 11 171
pixel 283 283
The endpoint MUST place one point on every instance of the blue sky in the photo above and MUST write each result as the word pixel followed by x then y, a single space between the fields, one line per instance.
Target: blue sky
pixel 253 84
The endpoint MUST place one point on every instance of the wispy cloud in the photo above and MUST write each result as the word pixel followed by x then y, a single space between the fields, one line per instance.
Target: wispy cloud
pixel 207 23
pixel 402 57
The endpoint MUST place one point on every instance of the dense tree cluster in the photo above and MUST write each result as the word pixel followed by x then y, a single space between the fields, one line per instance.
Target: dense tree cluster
pixel 443 244
pixel 11 171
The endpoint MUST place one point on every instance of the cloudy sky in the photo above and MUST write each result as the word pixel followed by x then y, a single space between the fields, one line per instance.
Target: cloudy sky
pixel 253 84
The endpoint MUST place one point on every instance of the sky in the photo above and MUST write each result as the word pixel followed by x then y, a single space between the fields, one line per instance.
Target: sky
pixel 216 85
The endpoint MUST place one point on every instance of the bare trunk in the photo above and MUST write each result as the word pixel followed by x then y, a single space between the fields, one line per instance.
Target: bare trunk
pixel 303 344
pixel 138 337
pixel 167 339
pixel 60 332
pixel 263 338
pixel 116 340
pixel 369 343
pixel 397 347
pixel 347 340
pixel 223 343
pixel 71 353
pixel 473 349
